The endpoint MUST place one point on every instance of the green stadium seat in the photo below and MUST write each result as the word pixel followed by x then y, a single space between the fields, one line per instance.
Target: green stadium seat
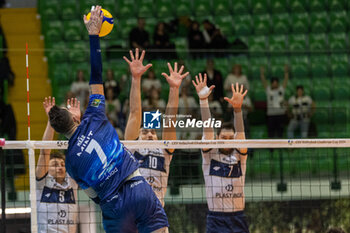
pixel 298 6
pixel 202 7
pixel 317 6
pixel 70 9
pixel 78 52
pixel 300 23
pixel 277 64
pixel 84 66
pixel 299 66
pixel 297 43
pixel 183 7
pixel 340 112
pixel 85 6
pixel 281 23
pixel 322 116
pixel 337 41
pixel 240 7
pixel 336 5
pixel 339 21
pixel 259 94
pixel 221 7
pixel 318 42
pixel 51 10
pixel 341 90
pixel 277 44
pixel 319 66
pixel 261 24
pixel 150 26
pixel 243 25
pixel 257 45
pixel 319 22
pixel 164 8
pixel 58 52
pixel 225 24
pixel 61 74
pixel 278 6
pixel 73 29
pixel 53 31
pixel 339 65
pixel 197 65
pixel 109 5
pixel 259 7
pixel 126 8
pixel 255 63
pixel 258 131
pixel 322 90
pixel 145 8
pixel 181 47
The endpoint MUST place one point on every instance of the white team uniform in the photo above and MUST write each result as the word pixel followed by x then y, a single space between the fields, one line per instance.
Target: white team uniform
pixel 155 164
pixel 275 99
pixel 57 205
pixel 224 177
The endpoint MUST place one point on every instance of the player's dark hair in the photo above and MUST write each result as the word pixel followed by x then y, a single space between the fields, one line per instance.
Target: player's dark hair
pixel 61 120
pixel 226 125
pixel 335 230
pixel 57 155
pixel 274 79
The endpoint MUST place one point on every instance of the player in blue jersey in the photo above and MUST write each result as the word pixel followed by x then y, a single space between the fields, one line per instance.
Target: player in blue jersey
pixel 100 164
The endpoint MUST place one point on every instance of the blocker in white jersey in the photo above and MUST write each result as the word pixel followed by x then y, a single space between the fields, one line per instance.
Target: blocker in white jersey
pixel 224 169
pixel 154 167
pixel 57 205
pixel 224 176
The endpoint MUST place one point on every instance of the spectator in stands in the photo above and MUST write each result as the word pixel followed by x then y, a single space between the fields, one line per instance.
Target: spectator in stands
pixel 236 76
pixel 151 82
pixel 111 83
pixel 301 109
pixel 276 104
pixel 195 40
pixel 153 102
pixel 80 88
pixel 162 42
pixel 215 108
pixel 139 37
pixel 113 106
pixel 335 230
pixel 187 103
pixel 214 38
pixel 214 78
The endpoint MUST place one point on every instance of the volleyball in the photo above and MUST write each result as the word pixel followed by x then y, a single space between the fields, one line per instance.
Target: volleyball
pixel 107 23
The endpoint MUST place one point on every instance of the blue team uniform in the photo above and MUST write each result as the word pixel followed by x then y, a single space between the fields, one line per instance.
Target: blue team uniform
pixel 97 159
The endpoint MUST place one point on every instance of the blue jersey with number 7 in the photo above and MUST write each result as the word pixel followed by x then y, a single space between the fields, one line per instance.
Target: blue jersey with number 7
pixel 95 157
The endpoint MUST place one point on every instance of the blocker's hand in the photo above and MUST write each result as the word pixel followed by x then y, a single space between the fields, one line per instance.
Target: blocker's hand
pixel 73 106
pixel 94 24
pixel 48 104
pixel 237 97
pixel 137 69
pixel 176 76
pixel 201 86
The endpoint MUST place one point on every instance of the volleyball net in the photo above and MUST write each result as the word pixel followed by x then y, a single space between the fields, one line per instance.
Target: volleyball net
pixel 289 185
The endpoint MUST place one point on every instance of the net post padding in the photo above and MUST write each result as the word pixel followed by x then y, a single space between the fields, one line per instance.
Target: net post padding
pixel 197 144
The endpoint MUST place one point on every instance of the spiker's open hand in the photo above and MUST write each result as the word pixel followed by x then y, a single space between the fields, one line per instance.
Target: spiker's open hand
pixel 94 24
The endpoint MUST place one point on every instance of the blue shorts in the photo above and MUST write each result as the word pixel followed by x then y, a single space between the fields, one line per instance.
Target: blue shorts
pixel 134 208
pixel 222 222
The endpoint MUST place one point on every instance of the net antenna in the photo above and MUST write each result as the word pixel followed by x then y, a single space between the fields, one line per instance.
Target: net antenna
pixel 32 195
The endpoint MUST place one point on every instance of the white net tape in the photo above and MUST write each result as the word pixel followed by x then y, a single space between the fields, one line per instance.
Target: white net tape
pixel 194 144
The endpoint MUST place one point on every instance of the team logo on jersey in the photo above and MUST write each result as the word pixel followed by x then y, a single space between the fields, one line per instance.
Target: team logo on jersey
pixel 229 159
pixel 151 120
pixel 96 103
pixel 229 187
